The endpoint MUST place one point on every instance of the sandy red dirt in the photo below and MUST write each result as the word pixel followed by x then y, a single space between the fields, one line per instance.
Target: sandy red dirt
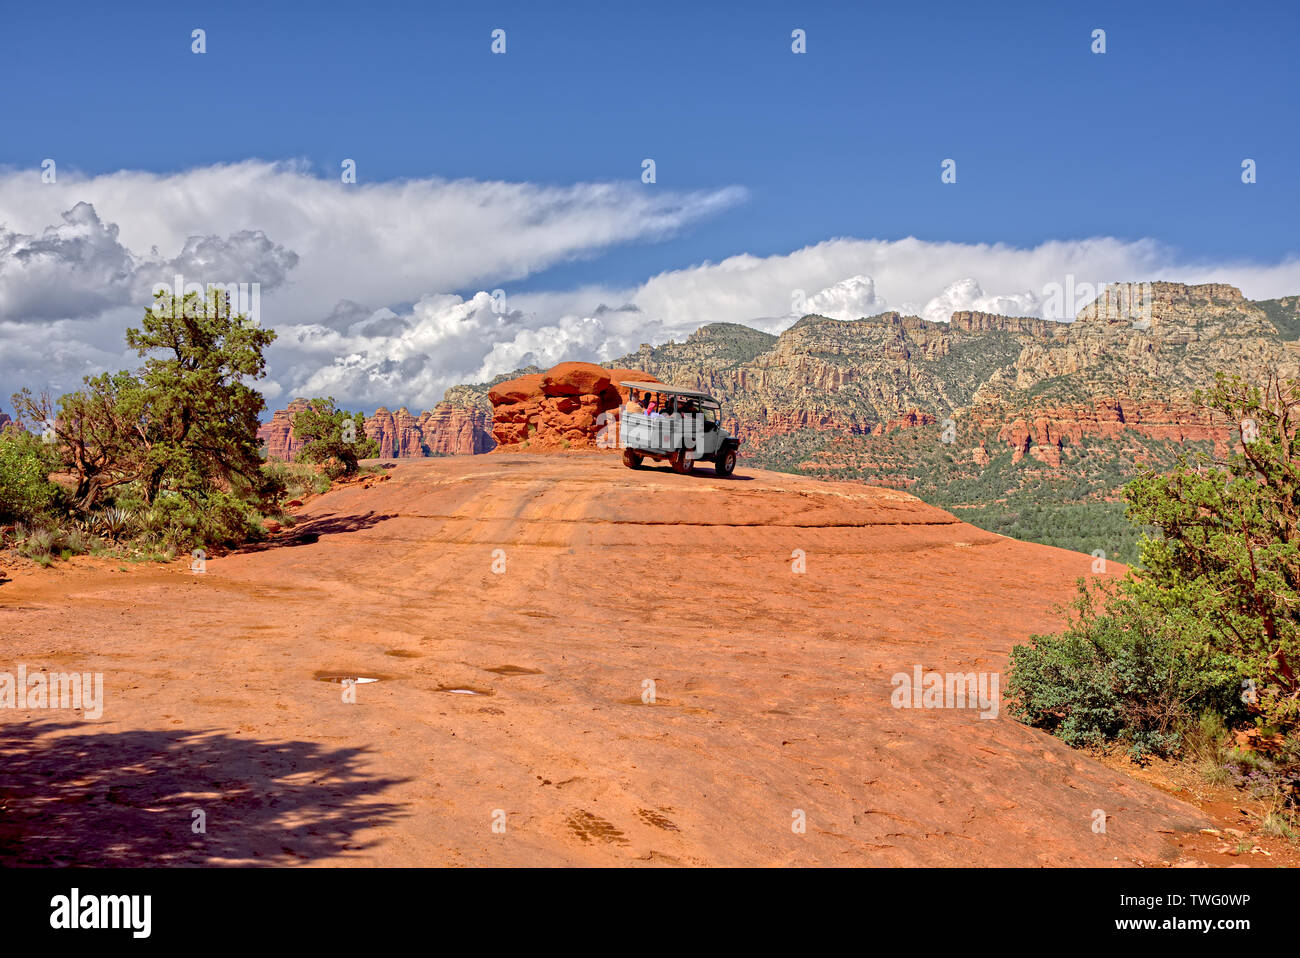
pixel 772 688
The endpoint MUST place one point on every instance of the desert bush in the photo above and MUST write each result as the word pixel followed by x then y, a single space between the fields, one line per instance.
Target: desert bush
pixel 332 437
pixel 1117 674
pixel 38 544
pixel 296 480
pixel 177 523
pixel 1206 743
pixel 26 493
pixel 1270 770
pixel 78 540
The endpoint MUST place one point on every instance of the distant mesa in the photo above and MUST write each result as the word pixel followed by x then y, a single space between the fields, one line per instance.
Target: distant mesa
pixel 561 408
pixel 452 428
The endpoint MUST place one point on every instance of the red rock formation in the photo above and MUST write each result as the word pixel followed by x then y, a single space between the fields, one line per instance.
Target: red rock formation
pixel 380 427
pixel 278 433
pixel 448 429
pixel 908 420
pixel 407 438
pixel 451 430
pixel 561 408
pixel 1042 433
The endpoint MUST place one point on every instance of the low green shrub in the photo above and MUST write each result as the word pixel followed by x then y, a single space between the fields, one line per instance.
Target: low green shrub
pixel 296 480
pixel 26 493
pixel 180 524
pixel 1117 674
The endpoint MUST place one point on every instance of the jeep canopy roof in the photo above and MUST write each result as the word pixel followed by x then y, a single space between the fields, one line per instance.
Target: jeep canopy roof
pixel 667 390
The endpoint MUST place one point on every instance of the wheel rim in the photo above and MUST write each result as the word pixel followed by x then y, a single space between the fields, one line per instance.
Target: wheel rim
pixel 729 461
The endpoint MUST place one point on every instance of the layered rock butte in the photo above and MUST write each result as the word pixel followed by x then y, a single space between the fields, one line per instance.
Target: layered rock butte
pixel 452 428
pixel 518 610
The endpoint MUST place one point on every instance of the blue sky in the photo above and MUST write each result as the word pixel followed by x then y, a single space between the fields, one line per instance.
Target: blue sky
pixel 1051 140
pixel 1053 143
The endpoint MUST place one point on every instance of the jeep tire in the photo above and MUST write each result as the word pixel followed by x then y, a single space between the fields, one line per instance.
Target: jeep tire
pixel 724 464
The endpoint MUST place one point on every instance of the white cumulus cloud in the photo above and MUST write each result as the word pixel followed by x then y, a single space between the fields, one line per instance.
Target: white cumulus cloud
pixel 361 282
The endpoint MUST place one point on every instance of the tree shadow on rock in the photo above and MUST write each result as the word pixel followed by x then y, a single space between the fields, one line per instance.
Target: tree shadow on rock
pixel 69 796
pixel 309 531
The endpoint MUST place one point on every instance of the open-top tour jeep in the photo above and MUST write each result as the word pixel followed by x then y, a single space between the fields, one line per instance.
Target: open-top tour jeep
pixel 683 428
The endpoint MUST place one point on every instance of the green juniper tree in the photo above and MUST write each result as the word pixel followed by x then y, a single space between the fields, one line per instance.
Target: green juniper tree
pixel 202 414
pixel 1225 571
pixel 100 433
pixel 179 435
pixel 333 437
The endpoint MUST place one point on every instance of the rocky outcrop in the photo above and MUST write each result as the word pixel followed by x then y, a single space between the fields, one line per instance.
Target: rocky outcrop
pixel 1046 431
pixel 909 420
pixel 277 435
pixel 570 406
pixel 1159 344
pixel 976 322
pixel 398 434
pixel 450 430
pixel 455 427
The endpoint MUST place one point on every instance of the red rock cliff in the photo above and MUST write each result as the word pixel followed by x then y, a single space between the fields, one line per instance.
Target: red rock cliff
pixel 561 408
pixel 450 429
pixel 1041 433
pixel 278 433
